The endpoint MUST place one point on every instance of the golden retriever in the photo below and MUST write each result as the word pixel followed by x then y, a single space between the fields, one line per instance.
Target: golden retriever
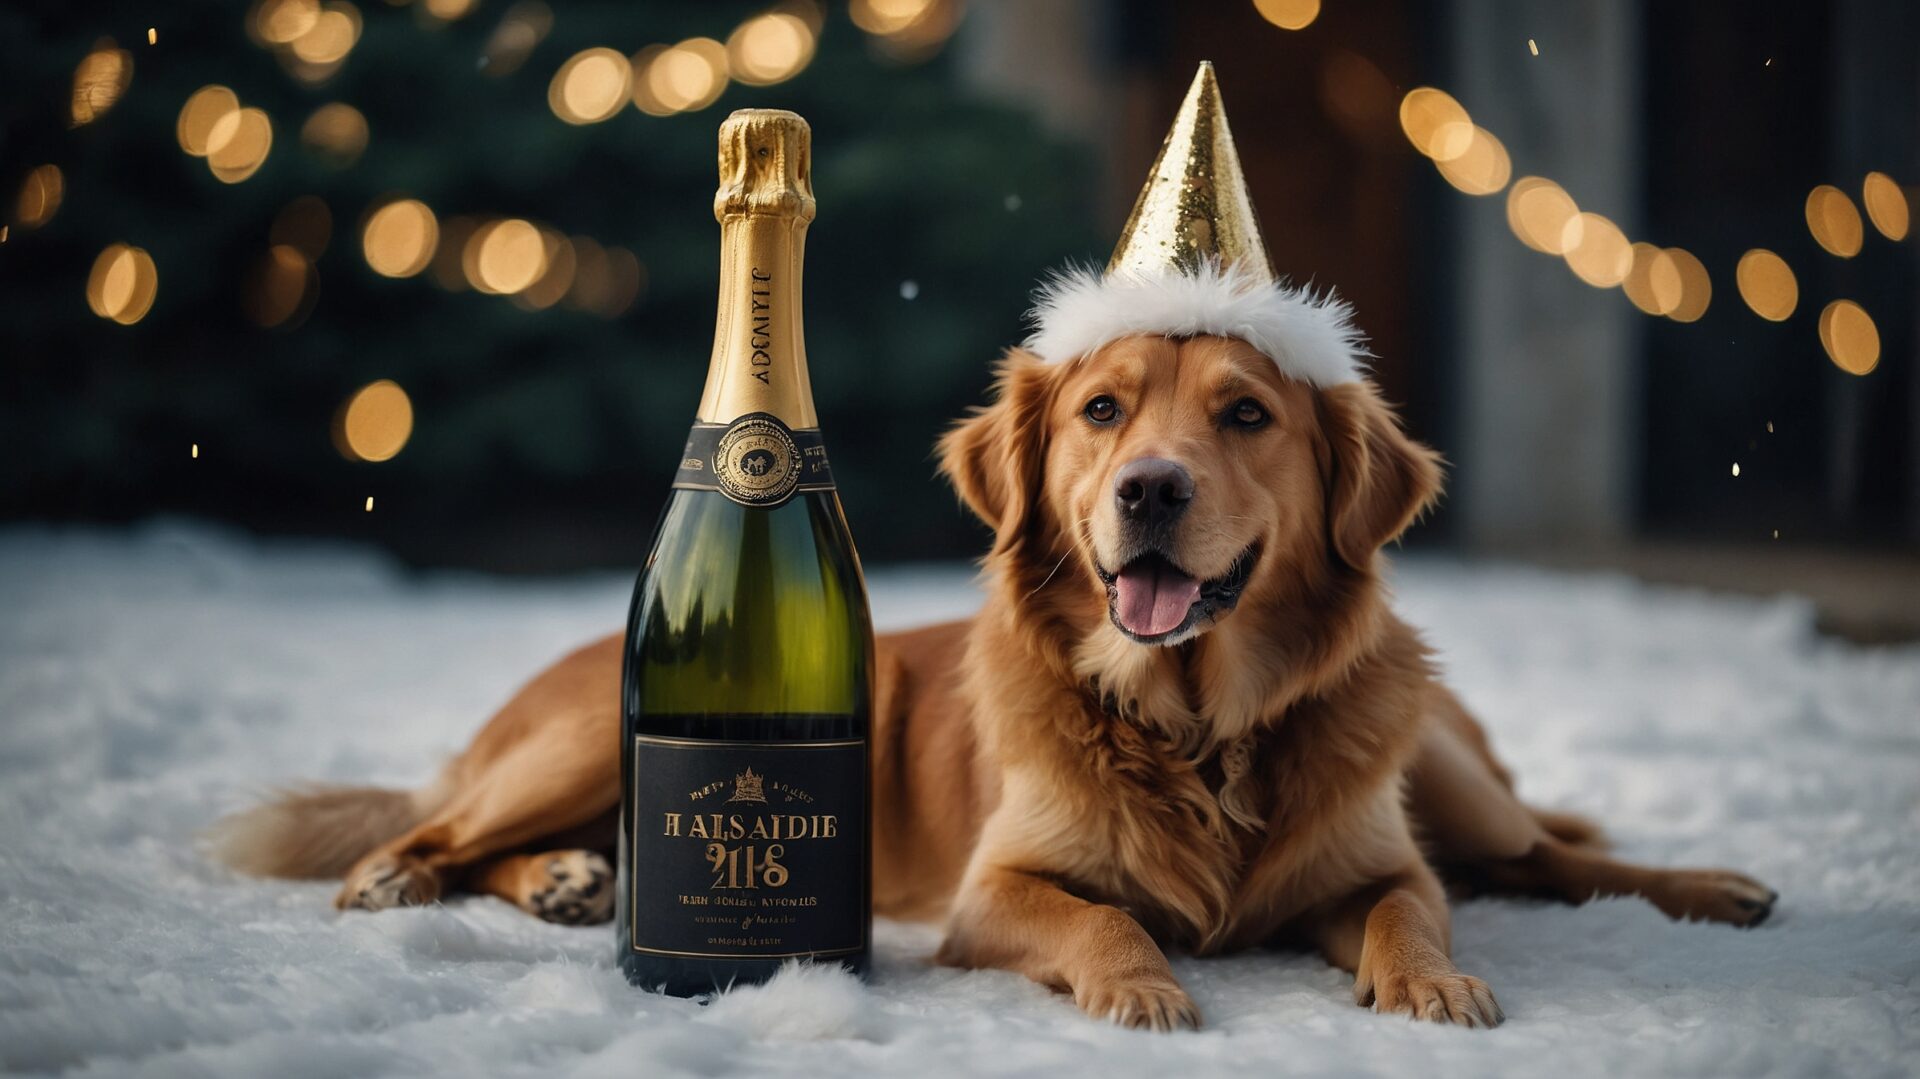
pixel 1185 718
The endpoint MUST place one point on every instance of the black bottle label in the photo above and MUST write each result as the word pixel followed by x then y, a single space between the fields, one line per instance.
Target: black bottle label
pixel 748 850
pixel 756 460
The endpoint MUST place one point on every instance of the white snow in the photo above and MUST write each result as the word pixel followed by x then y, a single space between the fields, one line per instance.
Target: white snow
pixel 150 681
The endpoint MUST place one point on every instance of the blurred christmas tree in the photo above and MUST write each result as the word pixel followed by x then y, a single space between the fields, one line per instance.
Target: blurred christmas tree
pixel 546 423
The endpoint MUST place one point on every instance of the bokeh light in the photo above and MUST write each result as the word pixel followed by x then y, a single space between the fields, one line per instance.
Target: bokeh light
pixel 606 281
pixel 399 238
pixel 238 143
pixel 1886 205
pixel 448 267
pixel 203 111
pixel 282 289
pixel 590 87
pixel 305 224
pixel 331 36
pixel 525 25
pixel 906 31
pixel 557 277
pixel 684 78
pixel 1289 14
pixel 375 423
pixel 770 48
pixel 1483 169
pixel 336 132
pixel 1435 123
pixel 281 22
pixel 101 77
pixel 40 196
pixel 1848 334
pixel 1834 221
pixel 1640 285
pixel 449 10
pixel 1767 284
pixel 1596 250
pixel 1539 212
pixel 506 256
pixel 122 284
pixel 1695 285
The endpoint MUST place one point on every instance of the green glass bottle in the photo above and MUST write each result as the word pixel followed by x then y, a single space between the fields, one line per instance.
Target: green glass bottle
pixel 749 664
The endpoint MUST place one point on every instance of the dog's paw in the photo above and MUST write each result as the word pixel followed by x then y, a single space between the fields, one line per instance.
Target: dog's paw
pixel 1440 997
pixel 570 887
pixel 385 881
pixel 1713 895
pixel 1154 1002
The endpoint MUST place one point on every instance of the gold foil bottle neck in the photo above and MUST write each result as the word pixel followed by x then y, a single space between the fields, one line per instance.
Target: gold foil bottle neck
pixel 766 165
pixel 1195 205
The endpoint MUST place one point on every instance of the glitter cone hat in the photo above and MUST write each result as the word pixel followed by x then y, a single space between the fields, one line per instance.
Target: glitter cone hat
pixel 1191 261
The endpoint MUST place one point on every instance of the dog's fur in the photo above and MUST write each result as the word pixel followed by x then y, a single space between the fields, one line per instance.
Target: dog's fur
pixel 1072 799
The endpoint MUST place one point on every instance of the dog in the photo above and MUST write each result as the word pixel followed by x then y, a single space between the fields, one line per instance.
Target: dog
pixel 1185 718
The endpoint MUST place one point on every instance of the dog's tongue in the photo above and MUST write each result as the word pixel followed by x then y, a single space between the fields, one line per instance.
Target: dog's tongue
pixel 1153 597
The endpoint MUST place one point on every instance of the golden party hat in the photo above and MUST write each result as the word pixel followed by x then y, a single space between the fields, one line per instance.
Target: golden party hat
pixel 1191 262
pixel 1195 206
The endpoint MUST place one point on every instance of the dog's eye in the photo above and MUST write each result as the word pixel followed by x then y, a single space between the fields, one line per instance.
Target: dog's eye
pixel 1102 409
pixel 1248 413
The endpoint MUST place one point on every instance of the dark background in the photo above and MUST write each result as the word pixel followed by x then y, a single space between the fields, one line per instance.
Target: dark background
pixel 543 440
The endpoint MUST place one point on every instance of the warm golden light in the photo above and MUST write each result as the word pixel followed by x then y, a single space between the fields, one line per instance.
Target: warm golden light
pixel 1695 287
pixel 122 285
pixel 237 144
pixel 1483 169
pixel 770 48
pixel 337 132
pixel 1767 284
pixel 39 198
pixel 305 224
pixel 1289 14
pixel 399 238
pixel 374 424
pixel 449 270
pixel 1848 334
pixel 556 279
pixel 885 17
pixel 687 77
pixel 449 10
pixel 1886 205
pixel 1639 281
pixel 507 256
pixel 206 108
pixel 1834 221
pixel 1600 255
pixel 590 87
pixel 1541 213
pixel 525 25
pixel 606 281
pixel 99 80
pixel 280 22
pixel 332 35
pixel 1435 123
pixel 369 503
pixel 282 288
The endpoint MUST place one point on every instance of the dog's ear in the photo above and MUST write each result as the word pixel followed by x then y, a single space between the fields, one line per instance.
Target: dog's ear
pixel 1377 479
pixel 994 457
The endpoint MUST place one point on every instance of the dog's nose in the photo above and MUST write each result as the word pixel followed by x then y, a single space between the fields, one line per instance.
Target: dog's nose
pixel 1152 490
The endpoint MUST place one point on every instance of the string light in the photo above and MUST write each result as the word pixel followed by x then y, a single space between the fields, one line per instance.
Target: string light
pixel 591 86
pixel 101 77
pixel 375 423
pixel 123 283
pixel 40 196
pixel 1850 338
pixel 1289 14
pixel 1834 221
pixel 208 106
pixel 770 48
pixel 1886 205
pixel 336 132
pixel 399 238
pixel 1767 284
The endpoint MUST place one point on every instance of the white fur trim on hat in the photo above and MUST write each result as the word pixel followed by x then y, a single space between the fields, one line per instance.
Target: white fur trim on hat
pixel 1311 338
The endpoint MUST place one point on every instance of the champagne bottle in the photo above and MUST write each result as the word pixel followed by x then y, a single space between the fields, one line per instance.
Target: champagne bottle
pixel 748 673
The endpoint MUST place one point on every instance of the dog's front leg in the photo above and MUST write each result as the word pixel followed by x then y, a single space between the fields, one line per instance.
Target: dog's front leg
pixel 1021 922
pixel 1394 937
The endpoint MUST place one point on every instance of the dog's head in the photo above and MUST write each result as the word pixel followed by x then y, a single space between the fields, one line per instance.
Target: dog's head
pixel 1184 475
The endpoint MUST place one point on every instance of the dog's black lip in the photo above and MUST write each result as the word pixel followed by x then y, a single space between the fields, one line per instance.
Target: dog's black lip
pixel 1217 594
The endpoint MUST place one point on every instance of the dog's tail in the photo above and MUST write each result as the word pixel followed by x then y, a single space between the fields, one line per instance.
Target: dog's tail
pixel 316 830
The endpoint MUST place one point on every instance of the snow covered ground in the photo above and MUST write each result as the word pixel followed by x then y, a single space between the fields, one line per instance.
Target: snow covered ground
pixel 150 681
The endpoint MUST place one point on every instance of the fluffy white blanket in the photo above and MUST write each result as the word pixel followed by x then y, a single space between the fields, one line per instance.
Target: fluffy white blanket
pixel 149 682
